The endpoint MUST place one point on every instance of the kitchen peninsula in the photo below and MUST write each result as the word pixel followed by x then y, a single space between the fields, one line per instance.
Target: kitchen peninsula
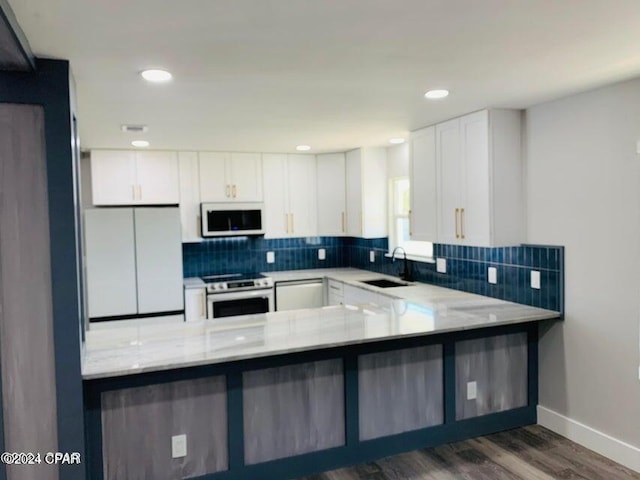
pixel 285 394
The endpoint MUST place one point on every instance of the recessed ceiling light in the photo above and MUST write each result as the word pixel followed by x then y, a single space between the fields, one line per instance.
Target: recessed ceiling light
pixel 156 75
pixel 140 143
pixel 396 141
pixel 303 148
pixel 434 94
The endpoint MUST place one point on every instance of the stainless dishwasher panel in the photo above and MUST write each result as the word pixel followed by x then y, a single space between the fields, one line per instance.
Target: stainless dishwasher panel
pixel 299 294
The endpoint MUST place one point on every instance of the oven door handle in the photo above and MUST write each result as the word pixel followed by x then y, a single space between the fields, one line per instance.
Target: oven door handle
pixel 224 296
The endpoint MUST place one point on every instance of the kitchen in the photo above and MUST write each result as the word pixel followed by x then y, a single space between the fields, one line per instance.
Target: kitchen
pixel 547 200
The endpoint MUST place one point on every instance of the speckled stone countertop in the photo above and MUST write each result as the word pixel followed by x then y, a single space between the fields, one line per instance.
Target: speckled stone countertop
pixel 419 309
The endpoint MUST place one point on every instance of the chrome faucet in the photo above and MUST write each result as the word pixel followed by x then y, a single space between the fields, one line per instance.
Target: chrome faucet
pixel 406 273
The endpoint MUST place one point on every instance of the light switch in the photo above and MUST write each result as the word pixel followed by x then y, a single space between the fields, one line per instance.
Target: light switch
pixel 322 254
pixel 178 446
pixel 271 257
pixel 472 390
pixel 441 265
pixel 372 256
pixel 535 279
pixel 492 274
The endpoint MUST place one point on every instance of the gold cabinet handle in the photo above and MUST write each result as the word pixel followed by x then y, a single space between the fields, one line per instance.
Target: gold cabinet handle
pixel 139 192
pixel 343 222
pixel 462 223
pixel 457 214
pixel 286 222
pixel 292 224
pixel 133 192
pixel 227 192
pixel 410 224
pixel 233 191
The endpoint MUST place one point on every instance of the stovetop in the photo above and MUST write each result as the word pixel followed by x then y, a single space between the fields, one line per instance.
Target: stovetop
pixel 236 282
pixel 232 277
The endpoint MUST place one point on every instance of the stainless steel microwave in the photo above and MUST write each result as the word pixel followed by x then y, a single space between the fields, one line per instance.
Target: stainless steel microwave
pixel 232 219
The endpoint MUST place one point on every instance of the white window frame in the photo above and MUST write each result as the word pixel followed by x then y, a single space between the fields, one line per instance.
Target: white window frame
pixel 416 250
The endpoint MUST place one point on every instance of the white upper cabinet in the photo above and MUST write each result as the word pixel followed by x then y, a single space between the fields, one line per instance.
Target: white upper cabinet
pixel 424 196
pixel 366 183
pixel 158 178
pixel 290 195
pixel 124 177
pixel 189 196
pixel 332 210
pixel 230 177
pixel 479 170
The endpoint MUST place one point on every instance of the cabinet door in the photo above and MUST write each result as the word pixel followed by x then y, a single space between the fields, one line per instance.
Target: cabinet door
pixel 424 197
pixel 448 154
pixel 157 175
pixel 159 260
pixel 301 178
pixel 335 292
pixel 276 214
pixel 246 177
pixel 475 222
pixel 331 194
pixel 214 184
pixel 354 193
pixel 373 181
pixel 113 177
pixel 189 196
pixel 110 262
pixel 195 304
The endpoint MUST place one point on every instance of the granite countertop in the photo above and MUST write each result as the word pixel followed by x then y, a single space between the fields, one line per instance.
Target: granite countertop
pixel 422 310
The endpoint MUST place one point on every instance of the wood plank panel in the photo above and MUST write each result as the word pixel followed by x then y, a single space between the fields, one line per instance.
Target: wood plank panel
pixel 399 391
pixel 498 366
pixel 293 410
pixel 138 423
pixel 26 311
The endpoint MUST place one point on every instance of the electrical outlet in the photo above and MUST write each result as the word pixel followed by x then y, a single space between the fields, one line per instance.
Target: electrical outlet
pixel 441 265
pixel 178 446
pixel 322 254
pixel 372 256
pixel 472 390
pixel 271 257
pixel 535 279
pixel 492 274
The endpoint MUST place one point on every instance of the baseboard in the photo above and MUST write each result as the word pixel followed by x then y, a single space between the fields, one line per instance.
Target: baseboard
pixel 599 442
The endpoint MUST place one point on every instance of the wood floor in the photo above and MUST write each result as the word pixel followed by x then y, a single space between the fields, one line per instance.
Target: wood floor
pixel 525 453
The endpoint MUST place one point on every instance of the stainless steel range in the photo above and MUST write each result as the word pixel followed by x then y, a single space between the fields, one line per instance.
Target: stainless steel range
pixel 238 294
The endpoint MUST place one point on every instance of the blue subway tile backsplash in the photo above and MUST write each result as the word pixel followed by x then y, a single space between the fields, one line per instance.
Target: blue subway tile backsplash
pixel 466 266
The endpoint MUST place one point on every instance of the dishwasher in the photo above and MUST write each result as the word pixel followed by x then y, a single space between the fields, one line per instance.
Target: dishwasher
pixel 297 294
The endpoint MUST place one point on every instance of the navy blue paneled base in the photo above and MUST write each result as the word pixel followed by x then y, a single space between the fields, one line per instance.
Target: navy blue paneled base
pixel 354 451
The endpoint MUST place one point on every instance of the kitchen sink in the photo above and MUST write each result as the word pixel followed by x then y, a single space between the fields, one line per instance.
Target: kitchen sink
pixel 384 283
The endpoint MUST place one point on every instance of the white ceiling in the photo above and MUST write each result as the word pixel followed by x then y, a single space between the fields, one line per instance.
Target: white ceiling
pixel 266 75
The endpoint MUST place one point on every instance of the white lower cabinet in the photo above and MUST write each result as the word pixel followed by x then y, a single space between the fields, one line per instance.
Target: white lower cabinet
pixel 361 296
pixel 335 295
pixel 195 304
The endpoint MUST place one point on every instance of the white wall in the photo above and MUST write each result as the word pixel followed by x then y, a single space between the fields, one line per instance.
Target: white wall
pixel 398 161
pixel 584 193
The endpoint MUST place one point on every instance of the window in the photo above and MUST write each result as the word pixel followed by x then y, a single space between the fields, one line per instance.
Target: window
pixel 399 222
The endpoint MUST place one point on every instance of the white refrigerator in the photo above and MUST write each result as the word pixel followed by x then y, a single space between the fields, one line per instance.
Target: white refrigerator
pixel 133 261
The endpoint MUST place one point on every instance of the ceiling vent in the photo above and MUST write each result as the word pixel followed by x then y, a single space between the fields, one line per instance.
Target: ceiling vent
pixel 134 128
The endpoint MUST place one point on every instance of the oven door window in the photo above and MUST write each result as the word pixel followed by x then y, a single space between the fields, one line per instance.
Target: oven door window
pixel 241 306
